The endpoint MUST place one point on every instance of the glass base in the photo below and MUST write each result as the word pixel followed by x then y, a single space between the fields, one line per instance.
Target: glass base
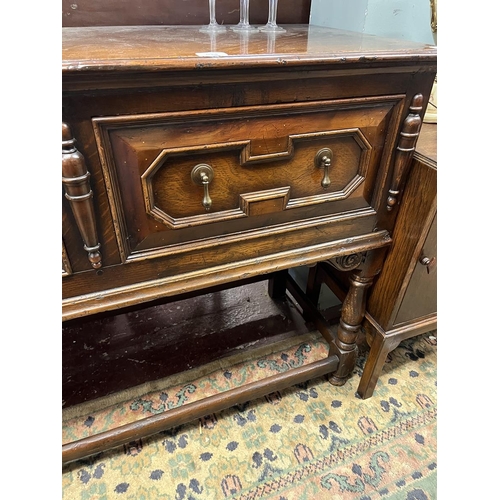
pixel 244 27
pixel 213 28
pixel 273 28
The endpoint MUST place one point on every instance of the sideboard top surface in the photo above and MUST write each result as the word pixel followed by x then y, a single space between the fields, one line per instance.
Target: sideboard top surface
pixel 182 48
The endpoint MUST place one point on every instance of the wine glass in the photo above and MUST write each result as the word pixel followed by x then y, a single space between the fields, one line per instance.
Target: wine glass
pixel 213 25
pixel 271 20
pixel 244 25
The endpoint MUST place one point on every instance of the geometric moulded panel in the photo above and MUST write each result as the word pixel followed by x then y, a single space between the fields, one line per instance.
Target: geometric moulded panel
pixel 170 162
pixel 263 163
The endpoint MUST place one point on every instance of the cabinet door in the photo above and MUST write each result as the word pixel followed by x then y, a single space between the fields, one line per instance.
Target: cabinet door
pixel 421 295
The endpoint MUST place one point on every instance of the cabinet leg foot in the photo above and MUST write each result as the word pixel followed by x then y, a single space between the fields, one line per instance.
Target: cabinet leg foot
pixel 377 356
pixel 336 381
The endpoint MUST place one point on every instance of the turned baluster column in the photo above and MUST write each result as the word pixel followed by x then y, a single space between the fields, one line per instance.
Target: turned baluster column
pixel 76 182
pixel 406 147
pixel 353 309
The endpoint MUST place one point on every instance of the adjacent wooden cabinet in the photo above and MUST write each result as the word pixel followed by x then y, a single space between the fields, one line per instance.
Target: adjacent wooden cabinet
pixel 403 300
pixel 193 160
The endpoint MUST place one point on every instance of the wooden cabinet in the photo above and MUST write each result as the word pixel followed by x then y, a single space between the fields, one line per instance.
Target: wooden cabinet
pixel 403 301
pixel 195 160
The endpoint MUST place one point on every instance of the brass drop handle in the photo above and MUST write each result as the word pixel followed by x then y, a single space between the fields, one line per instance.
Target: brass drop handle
pixel 429 263
pixel 202 175
pixel 323 159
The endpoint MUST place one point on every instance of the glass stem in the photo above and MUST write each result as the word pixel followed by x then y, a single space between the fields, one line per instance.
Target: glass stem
pixel 244 8
pixel 273 10
pixel 211 5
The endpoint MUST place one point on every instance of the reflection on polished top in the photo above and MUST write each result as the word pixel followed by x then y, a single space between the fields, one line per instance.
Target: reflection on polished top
pixel 185 47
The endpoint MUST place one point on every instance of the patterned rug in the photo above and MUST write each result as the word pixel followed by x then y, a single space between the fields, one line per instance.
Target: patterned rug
pixel 312 440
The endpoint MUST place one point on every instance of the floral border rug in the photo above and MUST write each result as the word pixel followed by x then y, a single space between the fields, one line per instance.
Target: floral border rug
pixel 312 440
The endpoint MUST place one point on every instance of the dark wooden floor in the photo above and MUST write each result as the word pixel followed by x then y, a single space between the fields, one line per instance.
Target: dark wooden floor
pixel 108 354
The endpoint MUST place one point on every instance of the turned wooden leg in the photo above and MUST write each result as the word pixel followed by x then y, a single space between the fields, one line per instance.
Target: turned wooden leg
pixel 353 311
pixel 381 346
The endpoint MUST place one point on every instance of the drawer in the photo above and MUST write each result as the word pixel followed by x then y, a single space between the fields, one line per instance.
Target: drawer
pixel 264 171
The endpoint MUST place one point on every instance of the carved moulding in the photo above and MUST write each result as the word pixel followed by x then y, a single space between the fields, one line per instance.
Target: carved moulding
pixel 249 200
pixel 347 262
pixel 76 182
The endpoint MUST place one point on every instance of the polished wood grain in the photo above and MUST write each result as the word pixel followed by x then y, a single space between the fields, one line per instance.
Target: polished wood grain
pixel 104 49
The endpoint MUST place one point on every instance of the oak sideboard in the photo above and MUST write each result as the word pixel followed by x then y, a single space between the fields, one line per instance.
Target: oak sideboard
pixel 193 160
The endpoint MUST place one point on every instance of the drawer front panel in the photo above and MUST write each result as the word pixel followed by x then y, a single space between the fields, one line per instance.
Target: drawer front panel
pixel 264 163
